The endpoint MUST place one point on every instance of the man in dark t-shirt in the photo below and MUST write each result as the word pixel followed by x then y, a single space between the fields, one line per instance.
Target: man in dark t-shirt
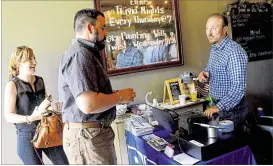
pixel 89 101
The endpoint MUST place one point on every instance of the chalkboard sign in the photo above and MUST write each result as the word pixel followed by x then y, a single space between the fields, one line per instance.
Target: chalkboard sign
pixel 251 25
pixel 175 90
pixel 172 90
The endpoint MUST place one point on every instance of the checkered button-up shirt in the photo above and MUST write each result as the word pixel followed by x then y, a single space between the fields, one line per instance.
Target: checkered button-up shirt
pixel 227 67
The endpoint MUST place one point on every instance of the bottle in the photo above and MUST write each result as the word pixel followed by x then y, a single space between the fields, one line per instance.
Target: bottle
pixel 155 103
pixel 260 111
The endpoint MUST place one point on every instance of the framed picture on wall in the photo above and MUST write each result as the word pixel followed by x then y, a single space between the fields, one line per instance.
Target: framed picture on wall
pixel 142 35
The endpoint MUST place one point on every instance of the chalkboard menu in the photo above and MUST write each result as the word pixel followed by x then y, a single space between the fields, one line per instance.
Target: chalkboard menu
pixel 175 89
pixel 251 25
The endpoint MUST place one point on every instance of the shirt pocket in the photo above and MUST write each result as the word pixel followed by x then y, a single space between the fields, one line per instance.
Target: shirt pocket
pixel 220 64
pixel 219 69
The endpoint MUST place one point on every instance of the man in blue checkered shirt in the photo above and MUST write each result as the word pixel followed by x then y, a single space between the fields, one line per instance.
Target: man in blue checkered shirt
pixel 226 72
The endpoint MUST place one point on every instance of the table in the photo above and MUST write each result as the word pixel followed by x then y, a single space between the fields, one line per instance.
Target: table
pixel 139 152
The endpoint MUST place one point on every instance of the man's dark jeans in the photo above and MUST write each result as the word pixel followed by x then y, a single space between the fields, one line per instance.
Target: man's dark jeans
pixel 27 154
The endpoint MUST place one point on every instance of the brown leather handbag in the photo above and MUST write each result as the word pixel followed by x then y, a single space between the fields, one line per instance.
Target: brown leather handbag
pixel 49 132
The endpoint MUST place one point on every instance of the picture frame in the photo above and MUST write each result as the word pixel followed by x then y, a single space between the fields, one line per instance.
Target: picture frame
pixel 135 32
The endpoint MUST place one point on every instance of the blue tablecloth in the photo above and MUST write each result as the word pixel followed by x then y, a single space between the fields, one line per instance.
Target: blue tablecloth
pixel 139 152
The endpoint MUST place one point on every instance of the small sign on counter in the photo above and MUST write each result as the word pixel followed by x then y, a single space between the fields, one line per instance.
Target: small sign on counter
pixel 185 159
pixel 169 151
pixel 172 90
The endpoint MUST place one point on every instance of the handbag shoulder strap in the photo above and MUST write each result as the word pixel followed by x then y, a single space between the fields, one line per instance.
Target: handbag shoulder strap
pixel 40 158
pixel 55 114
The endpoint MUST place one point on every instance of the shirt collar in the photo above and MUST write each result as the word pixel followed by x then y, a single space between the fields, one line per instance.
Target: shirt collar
pixel 89 45
pixel 85 42
pixel 222 43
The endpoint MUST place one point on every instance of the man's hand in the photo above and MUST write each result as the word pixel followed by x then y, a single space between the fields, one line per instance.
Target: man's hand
pixel 211 111
pixel 127 95
pixel 203 76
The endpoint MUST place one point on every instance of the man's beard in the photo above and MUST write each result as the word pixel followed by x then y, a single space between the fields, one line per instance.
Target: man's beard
pixel 100 44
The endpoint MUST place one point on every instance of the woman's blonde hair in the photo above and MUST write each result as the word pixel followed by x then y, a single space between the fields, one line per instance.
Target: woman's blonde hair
pixel 21 54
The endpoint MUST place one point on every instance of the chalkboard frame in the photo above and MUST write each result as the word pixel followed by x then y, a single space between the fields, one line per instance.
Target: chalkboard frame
pixel 168 92
pixel 154 66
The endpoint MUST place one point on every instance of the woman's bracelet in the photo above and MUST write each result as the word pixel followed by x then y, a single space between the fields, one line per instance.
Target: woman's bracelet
pixel 28 121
